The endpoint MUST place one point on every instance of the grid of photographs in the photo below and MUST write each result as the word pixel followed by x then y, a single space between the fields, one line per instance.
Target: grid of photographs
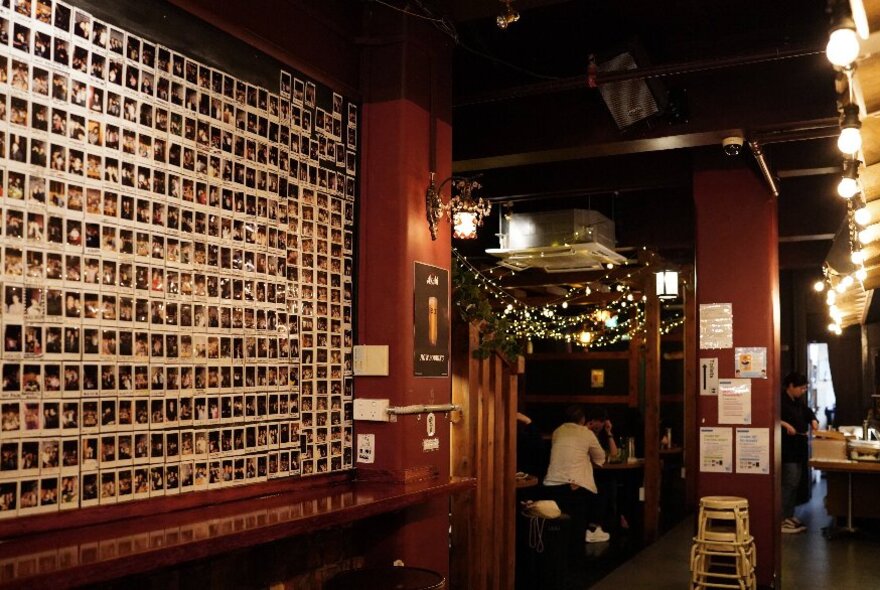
pixel 176 253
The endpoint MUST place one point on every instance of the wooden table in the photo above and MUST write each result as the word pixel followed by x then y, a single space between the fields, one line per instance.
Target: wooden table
pixel 849 468
pixel 529 481
pixel 637 464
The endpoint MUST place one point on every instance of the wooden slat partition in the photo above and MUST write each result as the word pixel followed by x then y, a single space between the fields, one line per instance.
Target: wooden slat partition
pixel 483 446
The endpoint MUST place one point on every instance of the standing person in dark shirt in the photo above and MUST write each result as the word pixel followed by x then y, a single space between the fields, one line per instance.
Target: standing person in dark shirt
pixel 797 421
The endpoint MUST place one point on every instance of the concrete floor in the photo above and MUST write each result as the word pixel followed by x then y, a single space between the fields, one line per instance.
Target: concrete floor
pixel 809 560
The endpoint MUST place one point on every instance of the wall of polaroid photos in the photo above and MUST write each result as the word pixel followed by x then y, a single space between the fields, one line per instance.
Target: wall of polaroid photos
pixel 176 269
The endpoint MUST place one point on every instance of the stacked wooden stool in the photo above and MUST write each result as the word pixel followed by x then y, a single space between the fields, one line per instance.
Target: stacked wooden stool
pixel 723 553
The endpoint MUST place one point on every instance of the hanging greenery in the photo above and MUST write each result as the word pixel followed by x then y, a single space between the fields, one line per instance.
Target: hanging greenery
pixel 470 299
pixel 507 322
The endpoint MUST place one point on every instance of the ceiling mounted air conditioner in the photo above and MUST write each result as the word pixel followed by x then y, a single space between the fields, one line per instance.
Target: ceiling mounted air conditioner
pixel 557 241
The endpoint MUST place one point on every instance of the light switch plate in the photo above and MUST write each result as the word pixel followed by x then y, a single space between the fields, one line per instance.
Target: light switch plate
pixel 370 360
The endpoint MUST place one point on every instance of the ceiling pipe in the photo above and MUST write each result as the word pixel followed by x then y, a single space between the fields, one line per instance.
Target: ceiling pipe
pixel 765 169
pixel 674 69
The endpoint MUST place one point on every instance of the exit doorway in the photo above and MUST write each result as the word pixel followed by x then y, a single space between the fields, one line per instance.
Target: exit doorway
pixel 821 393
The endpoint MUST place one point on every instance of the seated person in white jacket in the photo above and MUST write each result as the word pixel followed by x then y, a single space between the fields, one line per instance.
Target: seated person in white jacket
pixel 569 477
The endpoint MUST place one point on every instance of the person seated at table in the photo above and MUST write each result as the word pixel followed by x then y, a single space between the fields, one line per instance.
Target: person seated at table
pixel 574 450
pixel 600 424
pixel 606 481
pixel 531 451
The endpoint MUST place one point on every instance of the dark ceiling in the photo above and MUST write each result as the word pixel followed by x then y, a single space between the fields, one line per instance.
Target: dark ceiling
pixel 526 119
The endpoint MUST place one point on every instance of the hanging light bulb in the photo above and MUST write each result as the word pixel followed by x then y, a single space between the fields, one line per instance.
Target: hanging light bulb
pixel 857 257
pixel 849 184
pixel 565 305
pixel 850 140
pixel 862 216
pixel 847 282
pixel 843 44
pixel 831 297
pixel 861 275
pixel 819 286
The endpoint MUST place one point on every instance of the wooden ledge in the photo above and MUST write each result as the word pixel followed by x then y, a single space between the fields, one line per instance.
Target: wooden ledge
pixel 78 556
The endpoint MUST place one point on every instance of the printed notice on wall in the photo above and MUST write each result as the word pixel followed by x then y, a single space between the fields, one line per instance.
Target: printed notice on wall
pixel 366 449
pixel 750 362
pixel 431 318
pixel 716 325
pixel 753 450
pixel 709 376
pixel 735 401
pixel 716 450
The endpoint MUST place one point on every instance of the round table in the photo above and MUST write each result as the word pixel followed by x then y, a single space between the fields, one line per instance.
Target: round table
pixel 387 578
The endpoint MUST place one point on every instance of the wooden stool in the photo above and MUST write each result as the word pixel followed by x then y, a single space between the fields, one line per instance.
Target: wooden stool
pixel 723 552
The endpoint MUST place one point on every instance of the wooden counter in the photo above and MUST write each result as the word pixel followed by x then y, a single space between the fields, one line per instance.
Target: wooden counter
pixel 865 479
pixel 83 555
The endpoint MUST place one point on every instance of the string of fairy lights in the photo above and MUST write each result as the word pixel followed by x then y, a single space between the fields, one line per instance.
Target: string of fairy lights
pixel 601 325
pixel 843 51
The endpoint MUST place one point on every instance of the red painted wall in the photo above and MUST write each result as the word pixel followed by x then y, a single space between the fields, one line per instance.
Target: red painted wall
pixel 737 262
pixel 406 76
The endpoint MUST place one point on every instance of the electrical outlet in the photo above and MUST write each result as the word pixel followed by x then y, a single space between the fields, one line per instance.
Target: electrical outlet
pixel 373 410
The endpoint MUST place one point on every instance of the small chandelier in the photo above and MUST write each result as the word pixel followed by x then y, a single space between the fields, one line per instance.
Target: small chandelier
pixel 667 284
pixel 464 211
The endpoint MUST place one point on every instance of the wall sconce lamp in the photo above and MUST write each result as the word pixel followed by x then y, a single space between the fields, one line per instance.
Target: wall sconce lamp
pixel 508 15
pixel 667 284
pixel 465 212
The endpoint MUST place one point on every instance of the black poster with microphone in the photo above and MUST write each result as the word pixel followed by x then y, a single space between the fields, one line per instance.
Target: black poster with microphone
pixel 431 321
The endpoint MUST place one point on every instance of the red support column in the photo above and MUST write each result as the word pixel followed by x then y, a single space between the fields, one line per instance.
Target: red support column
pixel 737 262
pixel 406 71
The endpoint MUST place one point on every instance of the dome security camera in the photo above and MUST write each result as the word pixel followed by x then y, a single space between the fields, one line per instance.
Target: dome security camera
pixel 732 145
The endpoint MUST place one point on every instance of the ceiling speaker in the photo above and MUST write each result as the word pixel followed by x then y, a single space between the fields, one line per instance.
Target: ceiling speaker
pixel 629 101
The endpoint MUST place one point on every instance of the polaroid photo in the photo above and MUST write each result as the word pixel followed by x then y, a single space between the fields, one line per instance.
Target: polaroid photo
pixel 157 447
pixel 125 485
pixel 107 486
pixel 157 383
pixel 107 451
pixel 29 499
pixel 125 414
pixel 141 450
pixel 109 417
pixel 187 476
pixel 141 483
pixel 91 344
pixel 125 380
pixel 172 446
pixel 89 489
pixel 171 480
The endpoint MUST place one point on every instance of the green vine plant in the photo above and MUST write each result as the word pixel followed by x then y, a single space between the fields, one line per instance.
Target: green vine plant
pixel 495 332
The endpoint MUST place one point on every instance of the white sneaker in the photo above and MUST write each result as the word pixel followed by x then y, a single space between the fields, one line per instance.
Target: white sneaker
pixel 597 536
